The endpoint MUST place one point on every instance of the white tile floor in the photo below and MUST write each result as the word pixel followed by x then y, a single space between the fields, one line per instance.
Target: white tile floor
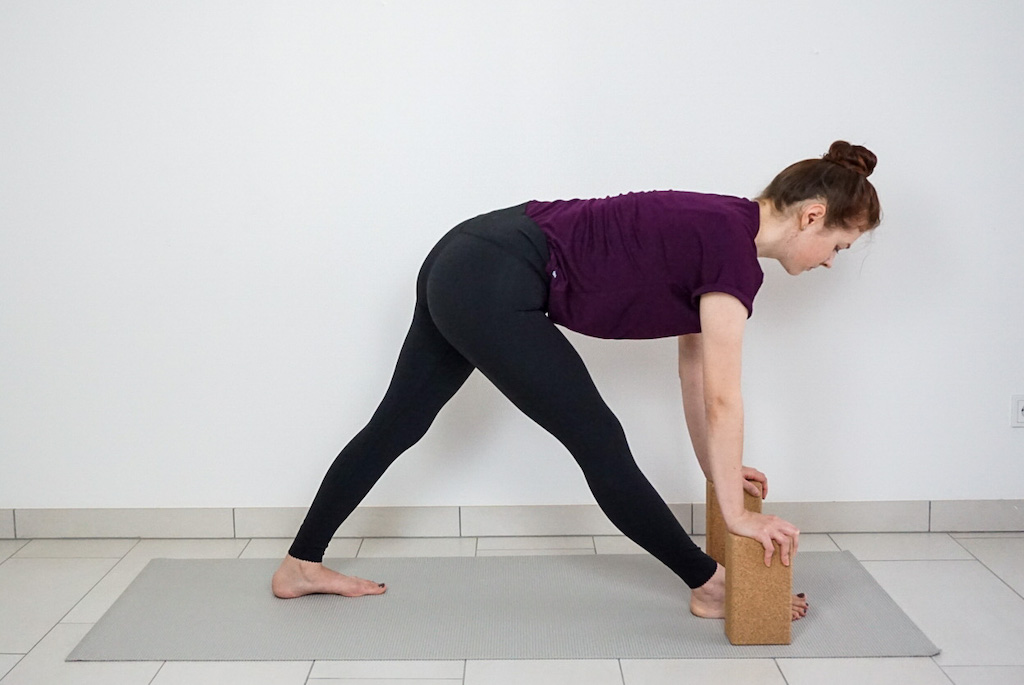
pixel 964 590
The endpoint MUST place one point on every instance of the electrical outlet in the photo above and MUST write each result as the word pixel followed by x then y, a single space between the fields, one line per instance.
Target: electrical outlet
pixel 1017 407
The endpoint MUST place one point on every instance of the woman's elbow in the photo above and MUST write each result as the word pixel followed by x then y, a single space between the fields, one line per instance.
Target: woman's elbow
pixel 723 408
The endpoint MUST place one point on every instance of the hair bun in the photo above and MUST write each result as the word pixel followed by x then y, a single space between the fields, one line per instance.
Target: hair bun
pixel 854 157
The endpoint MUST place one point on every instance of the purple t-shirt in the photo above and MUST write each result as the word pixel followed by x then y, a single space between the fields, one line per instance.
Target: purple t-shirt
pixel 635 265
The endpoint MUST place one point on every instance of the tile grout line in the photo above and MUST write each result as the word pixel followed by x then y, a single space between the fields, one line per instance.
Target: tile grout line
pixel 21 657
pixel 985 566
pixel 309 673
pixel 948 677
pixel 45 635
pixel 155 675
pixel 76 623
pixel 94 585
pixel 779 668
pixel 959 544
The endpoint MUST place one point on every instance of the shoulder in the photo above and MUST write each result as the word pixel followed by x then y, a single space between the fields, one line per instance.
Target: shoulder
pixel 718 216
pixel 705 211
pixel 727 209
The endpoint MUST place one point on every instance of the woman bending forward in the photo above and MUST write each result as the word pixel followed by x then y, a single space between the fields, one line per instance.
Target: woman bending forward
pixel 635 266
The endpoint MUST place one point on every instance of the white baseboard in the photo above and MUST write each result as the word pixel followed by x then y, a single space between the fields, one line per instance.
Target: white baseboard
pixel 978 515
pixel 379 522
pixel 6 524
pixel 497 521
pixel 124 523
pixel 586 519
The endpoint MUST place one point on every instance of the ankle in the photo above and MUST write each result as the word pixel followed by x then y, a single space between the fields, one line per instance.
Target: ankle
pixel 714 583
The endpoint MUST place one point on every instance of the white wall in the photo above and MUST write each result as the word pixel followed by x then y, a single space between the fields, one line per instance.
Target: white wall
pixel 212 213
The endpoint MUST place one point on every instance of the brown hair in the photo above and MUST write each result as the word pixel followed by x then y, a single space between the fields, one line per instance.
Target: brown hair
pixel 840 178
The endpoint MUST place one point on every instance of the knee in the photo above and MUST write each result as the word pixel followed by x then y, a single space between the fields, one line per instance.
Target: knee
pixel 607 464
pixel 600 437
pixel 388 437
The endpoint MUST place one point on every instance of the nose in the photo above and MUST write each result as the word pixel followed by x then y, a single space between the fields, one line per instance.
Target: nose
pixel 828 262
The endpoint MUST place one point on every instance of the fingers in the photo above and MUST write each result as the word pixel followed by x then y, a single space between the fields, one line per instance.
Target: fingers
pixel 752 474
pixel 784 549
pixel 786 545
pixel 788 538
pixel 790 542
pixel 768 531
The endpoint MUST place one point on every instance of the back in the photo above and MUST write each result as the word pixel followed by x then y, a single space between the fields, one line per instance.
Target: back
pixel 635 265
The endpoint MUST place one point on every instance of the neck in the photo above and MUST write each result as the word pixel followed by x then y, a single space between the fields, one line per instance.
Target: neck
pixel 771 233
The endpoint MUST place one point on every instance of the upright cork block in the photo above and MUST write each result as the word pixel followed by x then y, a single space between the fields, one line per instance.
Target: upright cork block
pixel 758 598
pixel 716 531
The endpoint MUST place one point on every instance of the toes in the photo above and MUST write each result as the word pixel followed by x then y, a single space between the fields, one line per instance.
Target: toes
pixel 800 606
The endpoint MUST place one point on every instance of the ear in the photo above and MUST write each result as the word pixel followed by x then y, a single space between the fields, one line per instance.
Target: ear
pixel 812 211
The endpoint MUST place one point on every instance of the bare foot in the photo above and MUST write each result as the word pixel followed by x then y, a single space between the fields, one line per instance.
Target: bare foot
pixel 708 600
pixel 295 578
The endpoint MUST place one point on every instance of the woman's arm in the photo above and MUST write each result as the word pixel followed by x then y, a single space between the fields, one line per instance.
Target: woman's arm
pixel 723 319
pixel 691 380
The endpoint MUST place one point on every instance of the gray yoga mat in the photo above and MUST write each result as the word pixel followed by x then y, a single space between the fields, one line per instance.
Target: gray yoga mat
pixel 540 607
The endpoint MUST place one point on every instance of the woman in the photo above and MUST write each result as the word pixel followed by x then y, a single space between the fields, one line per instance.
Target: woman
pixel 641 265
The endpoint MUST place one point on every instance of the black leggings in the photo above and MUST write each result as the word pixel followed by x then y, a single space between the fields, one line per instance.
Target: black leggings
pixel 481 297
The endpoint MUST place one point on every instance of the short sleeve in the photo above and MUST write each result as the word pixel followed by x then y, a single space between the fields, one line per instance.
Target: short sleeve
pixel 729 265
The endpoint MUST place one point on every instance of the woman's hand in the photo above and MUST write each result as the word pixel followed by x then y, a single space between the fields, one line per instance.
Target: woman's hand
pixel 751 474
pixel 767 529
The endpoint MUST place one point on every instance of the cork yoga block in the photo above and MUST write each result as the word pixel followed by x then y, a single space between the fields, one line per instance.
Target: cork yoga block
pixel 715 524
pixel 758 598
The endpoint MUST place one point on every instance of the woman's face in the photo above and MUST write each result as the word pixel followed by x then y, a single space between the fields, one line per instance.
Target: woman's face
pixel 814 245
